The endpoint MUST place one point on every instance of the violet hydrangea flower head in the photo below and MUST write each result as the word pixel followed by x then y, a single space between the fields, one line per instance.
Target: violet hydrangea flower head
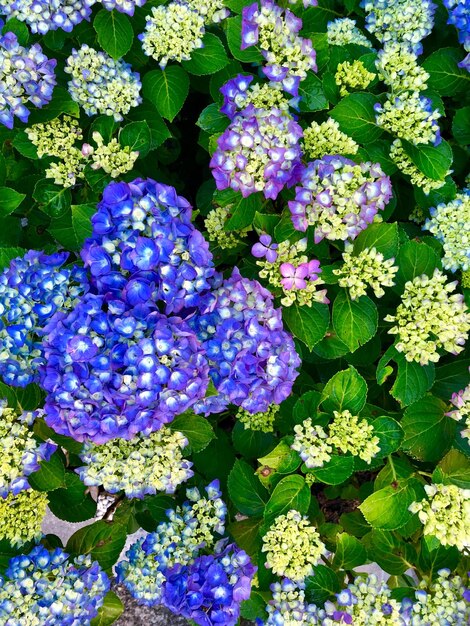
pixel 459 16
pixel 45 15
pixel 123 6
pixel 259 151
pixel 26 76
pixel 339 198
pixel 265 248
pixel 114 371
pixel 144 247
pixel 274 30
pixel 239 92
pixel 100 84
pixel 52 589
pixel 210 590
pixel 32 290
pixel 20 452
pixel 252 358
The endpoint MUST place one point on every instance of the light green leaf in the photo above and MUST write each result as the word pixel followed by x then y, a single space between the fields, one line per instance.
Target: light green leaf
pixel 356 116
pixel 195 428
pixel 209 59
pixel 291 492
pixel 309 324
pixel 346 390
pixel 354 321
pixel 110 611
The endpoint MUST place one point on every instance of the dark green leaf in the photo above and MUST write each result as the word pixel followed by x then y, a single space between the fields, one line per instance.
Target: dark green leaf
pixel 335 471
pixel 54 200
pixel 103 540
pixel 461 126
pixel 251 443
pixel 349 552
pixel 387 508
pixel 114 30
pixel 233 27
pixel 346 390
pixel 383 237
pixel 390 434
pixel 322 585
pixel 389 552
pixel 311 93
pixel 9 200
pixel 309 324
pixel 109 612
pixel 246 534
pixel 209 59
pixel 167 90
pixel 356 116
pixel 412 382
pixel 242 212
pixel 291 492
pixel 433 161
pixel 195 428
pixel 246 492
pixel 137 136
pixel 50 476
pixel 354 321
pixel 212 120
pixel 414 259
pixel 72 503
pixel 445 76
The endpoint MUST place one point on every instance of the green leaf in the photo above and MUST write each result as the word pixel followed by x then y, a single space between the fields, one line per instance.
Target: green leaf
pixel 195 428
pixel 291 492
pixel 434 556
pixel 110 611
pixel 312 95
pixel 9 200
pixel 428 431
pixel 282 459
pixel 8 254
pixel 445 76
pixel 346 390
pixel 61 103
pixel 246 534
pixel 453 469
pixel 159 132
pixel 167 90
pixel 251 443
pixel 412 382
pixel 355 115
pixel 243 211
pixel 383 237
pixel 104 541
pixel 53 199
pixel 209 59
pixel 354 321
pixel 390 552
pixel 50 476
pixel 72 503
pixel 322 585
pixel 433 161
pixel 387 508
pixel 20 29
pixel 254 607
pixel 309 324
pixel 25 146
pixel 414 259
pixel 246 492
pixel 335 471
pixel 137 136
pixel 212 120
pixel 460 126
pixel 71 229
pixel 349 552
pixel 114 31
pixel 451 378
pixel 233 31
pixel 390 434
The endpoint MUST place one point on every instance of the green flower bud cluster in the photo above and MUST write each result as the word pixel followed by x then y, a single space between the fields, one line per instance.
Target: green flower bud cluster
pixel 429 318
pixel 344 31
pixel 293 254
pixel 292 546
pixel 445 514
pixel 143 465
pixel 450 223
pixel 409 116
pixel 263 422
pixel 398 68
pixel 442 602
pixel 213 11
pixel 350 76
pixel 327 139
pixel 351 434
pixel 264 96
pixel 172 33
pixel 215 223
pixel 113 158
pixel 21 516
pixel 311 442
pixel 366 269
pixel 407 167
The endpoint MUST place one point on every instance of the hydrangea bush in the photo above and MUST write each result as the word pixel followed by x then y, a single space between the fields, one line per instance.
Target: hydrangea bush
pixel 234 310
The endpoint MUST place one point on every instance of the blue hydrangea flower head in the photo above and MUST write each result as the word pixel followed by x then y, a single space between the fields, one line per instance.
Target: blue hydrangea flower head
pixel 51 589
pixel 26 76
pixel 45 15
pixel 144 246
pixel 252 358
pixel 32 290
pixel 123 6
pixel 459 16
pixel 115 371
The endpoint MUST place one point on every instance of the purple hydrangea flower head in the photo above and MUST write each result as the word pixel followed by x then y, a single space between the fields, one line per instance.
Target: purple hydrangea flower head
pixel 465 64
pixel 459 16
pixel 123 6
pixel 144 246
pixel 252 358
pixel 339 198
pixel 114 371
pixel 33 289
pixel 51 589
pixel 271 166
pixel 45 15
pixel 265 248
pixel 274 30
pixel 26 76
pixel 210 590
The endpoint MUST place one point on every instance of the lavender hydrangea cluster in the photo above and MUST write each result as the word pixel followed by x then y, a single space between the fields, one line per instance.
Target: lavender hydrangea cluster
pixel 145 248
pixel 114 371
pixel 274 30
pixel 20 452
pixel 43 16
pixel 252 359
pixel 51 589
pixel 259 151
pixel 102 85
pixel 339 198
pixel 32 290
pixel 239 92
pixel 123 6
pixel 26 76
pixel 459 16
